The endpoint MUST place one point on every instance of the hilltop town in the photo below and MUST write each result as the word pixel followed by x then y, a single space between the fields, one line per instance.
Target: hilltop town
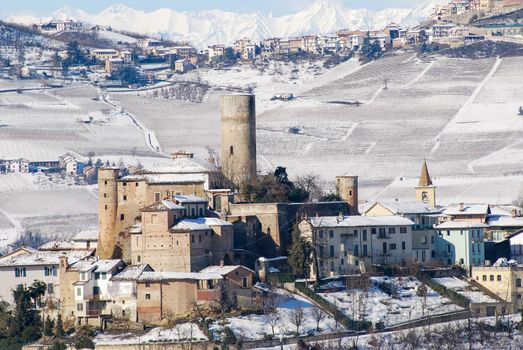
pixel 352 190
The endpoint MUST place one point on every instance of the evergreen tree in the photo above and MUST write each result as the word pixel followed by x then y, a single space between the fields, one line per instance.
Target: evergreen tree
pixel 59 327
pixel 48 326
pixel 300 254
pixel 26 324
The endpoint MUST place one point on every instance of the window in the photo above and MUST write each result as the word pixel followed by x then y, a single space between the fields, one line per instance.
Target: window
pixel 139 258
pixel 83 276
pixel 106 207
pixel 364 250
pixel 372 231
pixel 147 284
pixel 392 246
pixel 201 211
pixel 518 282
pixel 491 277
pixel 356 250
pixel 364 234
pixel 231 150
pixel 97 275
pixel 147 296
pixel 20 272
pixel 50 288
pixel 355 232
pixel 122 217
pixel 79 291
pixel 518 296
pixel 461 261
pixel 124 197
pixel 193 212
pixel 499 278
pixel 423 239
pixel 105 182
pixel 341 262
pixel 245 282
pixel 448 248
pixel 331 234
pixel 105 195
pixel 448 233
pixel 136 184
pixel 192 239
pixel 331 251
pixel 403 230
pixel 321 234
pixel 392 230
pixel 104 275
pixel 484 277
pixel 199 238
pixel 321 251
pixel 124 184
pixel 157 196
pixel 79 307
pixel 403 246
pixel 381 230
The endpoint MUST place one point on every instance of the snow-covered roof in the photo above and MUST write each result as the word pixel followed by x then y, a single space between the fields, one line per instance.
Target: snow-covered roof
pixel 182 166
pixel 360 221
pixel 216 222
pixel 504 221
pixel 223 270
pixel 151 276
pixel 466 209
pixel 132 272
pixel 163 205
pixel 96 265
pixel 197 224
pixel 407 207
pixel 189 199
pixel 25 257
pixel 460 224
pixel 136 228
pixel 57 245
pixel 87 235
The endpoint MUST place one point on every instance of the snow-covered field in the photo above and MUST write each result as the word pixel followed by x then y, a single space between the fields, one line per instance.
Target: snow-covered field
pixel 462 287
pixel 251 327
pixel 459 114
pixel 183 332
pixel 378 307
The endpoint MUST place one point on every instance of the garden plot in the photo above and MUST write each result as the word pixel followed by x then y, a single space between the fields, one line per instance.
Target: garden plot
pixel 464 288
pixel 251 327
pixel 403 305
pixel 185 332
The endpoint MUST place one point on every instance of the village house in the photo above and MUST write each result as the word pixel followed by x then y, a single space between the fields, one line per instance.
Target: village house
pixel 26 265
pixel 461 243
pixel 504 280
pixel 466 212
pixel 424 217
pixel 103 55
pixel 84 289
pixel 215 51
pixel 182 66
pixel 341 242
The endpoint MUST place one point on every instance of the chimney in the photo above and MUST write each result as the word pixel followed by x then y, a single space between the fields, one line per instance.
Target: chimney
pixel 461 206
pixel 514 212
pixel 222 263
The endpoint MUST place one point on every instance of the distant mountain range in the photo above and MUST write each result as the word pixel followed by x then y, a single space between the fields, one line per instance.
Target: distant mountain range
pixel 221 27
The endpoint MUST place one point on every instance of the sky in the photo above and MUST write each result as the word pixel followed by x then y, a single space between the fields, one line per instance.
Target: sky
pixel 277 7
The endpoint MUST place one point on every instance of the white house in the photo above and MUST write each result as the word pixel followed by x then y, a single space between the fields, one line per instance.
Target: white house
pixel 20 165
pixel 341 242
pixel 26 265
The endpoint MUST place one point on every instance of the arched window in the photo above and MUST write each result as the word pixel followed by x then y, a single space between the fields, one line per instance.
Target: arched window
pixel 499 278
pixel 138 258
pixel 484 277
pixel 231 150
pixel 518 282
pixel 491 277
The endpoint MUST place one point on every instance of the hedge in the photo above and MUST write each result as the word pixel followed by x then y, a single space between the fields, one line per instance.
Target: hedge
pixel 457 298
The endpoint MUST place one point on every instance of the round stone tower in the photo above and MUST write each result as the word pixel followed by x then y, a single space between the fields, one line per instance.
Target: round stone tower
pixel 107 211
pixel 238 129
pixel 347 189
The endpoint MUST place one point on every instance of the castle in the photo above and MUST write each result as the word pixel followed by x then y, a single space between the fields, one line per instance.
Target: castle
pixel 189 214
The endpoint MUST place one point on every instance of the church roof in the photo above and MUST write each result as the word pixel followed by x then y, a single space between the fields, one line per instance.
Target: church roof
pixel 424 178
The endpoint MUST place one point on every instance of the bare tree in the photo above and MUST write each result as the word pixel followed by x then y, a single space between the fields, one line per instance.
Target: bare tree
pixel 318 314
pixel 297 317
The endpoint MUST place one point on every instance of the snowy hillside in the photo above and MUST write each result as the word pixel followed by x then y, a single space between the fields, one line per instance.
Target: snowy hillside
pixel 216 26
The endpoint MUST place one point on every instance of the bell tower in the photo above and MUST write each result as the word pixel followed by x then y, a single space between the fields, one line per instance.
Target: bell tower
pixel 426 191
